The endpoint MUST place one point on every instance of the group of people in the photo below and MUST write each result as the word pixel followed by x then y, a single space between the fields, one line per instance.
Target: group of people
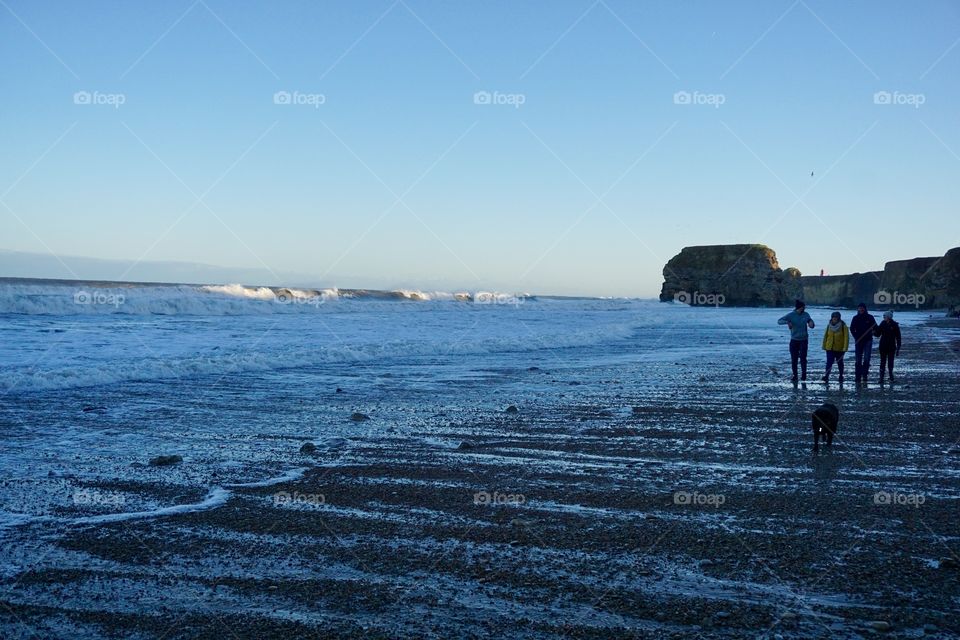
pixel 836 341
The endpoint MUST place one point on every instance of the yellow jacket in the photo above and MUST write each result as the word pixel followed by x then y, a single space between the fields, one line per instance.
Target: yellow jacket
pixel 836 340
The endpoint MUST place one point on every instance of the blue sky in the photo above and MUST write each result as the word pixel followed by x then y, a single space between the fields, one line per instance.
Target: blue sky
pixel 400 177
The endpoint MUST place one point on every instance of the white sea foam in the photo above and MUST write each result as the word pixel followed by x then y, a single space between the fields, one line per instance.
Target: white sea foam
pixel 217 496
pixel 38 297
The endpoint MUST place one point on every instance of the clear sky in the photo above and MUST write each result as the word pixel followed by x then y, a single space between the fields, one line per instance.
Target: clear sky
pixel 579 171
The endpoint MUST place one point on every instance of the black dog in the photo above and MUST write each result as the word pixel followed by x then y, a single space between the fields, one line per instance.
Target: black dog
pixel 825 421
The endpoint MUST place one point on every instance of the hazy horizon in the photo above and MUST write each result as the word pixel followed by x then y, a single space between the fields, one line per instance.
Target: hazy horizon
pixel 45 266
pixel 569 150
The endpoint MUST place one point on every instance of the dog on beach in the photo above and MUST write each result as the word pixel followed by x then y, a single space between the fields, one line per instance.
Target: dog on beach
pixel 825 421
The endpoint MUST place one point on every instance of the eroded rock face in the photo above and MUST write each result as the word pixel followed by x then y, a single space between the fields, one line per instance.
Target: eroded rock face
pixel 907 276
pixel 942 282
pixel 841 291
pixel 743 274
pixel 749 275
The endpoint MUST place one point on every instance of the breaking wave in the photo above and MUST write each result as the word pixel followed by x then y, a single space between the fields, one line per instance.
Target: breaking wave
pixel 63 297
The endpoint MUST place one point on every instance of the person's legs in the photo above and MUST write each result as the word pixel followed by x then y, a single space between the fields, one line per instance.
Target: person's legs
pixel 890 357
pixel 858 360
pixel 831 355
pixel 803 359
pixel 883 363
pixel 839 355
pixel 794 355
pixel 867 350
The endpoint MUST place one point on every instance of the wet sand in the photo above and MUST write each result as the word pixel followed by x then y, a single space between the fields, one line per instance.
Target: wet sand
pixel 626 510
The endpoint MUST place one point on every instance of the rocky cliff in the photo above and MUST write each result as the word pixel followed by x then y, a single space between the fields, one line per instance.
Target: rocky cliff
pixel 749 275
pixel 841 291
pixel 733 275
pixel 942 282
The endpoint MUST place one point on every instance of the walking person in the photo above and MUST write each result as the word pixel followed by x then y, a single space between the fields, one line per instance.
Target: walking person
pixel 889 333
pixel 836 341
pixel 862 327
pixel 798 321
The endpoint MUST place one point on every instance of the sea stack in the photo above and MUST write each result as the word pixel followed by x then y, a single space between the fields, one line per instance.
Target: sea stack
pixel 745 275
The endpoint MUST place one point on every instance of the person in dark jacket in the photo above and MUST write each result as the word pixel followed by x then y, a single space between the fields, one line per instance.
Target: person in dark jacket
pixel 889 333
pixel 798 321
pixel 862 327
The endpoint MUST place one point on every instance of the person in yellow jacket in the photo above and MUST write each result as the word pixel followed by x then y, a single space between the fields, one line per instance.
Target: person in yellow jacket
pixel 836 340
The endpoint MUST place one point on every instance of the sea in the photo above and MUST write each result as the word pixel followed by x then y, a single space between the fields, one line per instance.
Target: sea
pixel 98 378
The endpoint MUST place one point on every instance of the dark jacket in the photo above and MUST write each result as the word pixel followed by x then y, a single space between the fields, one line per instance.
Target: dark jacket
pixel 862 327
pixel 889 333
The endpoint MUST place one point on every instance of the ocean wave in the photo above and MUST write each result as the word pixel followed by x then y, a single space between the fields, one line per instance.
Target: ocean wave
pixel 112 369
pixel 68 298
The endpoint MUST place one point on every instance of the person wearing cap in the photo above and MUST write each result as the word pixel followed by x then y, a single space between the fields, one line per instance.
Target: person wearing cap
pixel 836 341
pixel 797 321
pixel 862 327
pixel 889 333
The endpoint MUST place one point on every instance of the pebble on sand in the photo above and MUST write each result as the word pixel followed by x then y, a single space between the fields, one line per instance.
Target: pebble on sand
pixel 308 447
pixel 879 625
pixel 512 409
pixel 359 417
pixel 165 461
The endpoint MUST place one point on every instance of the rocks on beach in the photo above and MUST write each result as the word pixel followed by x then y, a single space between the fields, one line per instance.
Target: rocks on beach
pixel 356 416
pixel 165 461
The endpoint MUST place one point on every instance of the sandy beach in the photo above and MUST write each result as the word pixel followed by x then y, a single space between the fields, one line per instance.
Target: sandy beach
pixel 679 501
